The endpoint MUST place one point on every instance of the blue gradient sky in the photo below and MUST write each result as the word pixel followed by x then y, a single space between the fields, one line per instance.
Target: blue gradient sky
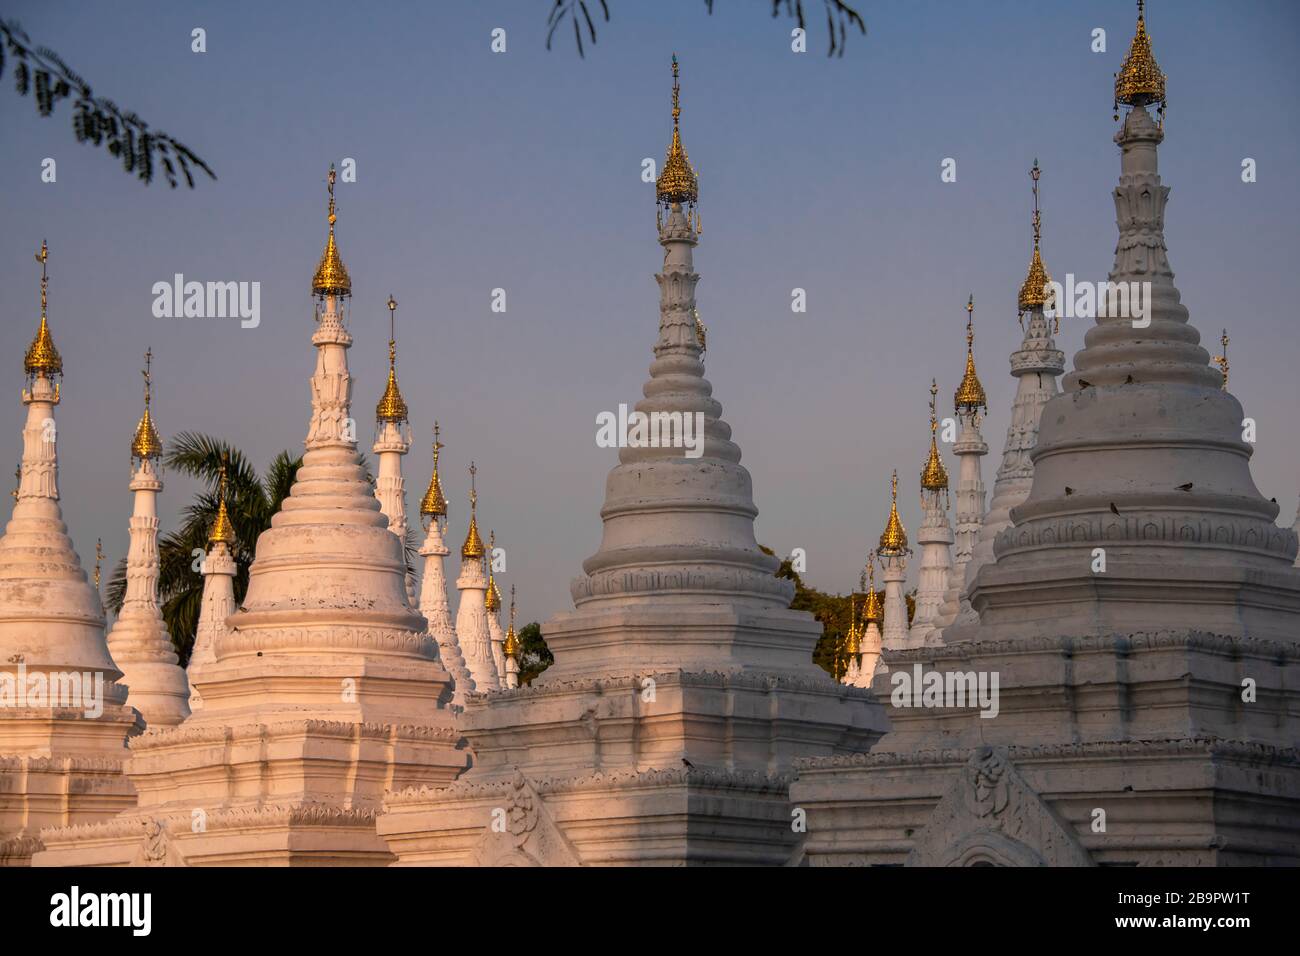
pixel 522 170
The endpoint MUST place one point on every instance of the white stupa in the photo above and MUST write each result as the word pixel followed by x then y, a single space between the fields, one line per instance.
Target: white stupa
pixel 433 583
pixel 63 715
pixel 970 405
pixel 391 444
pixel 935 538
pixel 1036 366
pixel 1141 615
pixel 218 601
pixel 893 553
pixel 472 627
pixel 683 685
pixel 139 641
pixel 326 690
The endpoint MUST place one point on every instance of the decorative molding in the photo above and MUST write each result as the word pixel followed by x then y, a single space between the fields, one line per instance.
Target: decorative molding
pixel 1262 754
pixel 991 815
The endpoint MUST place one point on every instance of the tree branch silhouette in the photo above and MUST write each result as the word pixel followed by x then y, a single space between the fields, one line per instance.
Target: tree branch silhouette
pixel 95 120
pixel 839 17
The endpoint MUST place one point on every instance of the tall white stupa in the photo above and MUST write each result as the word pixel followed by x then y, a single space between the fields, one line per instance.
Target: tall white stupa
pixel 893 553
pixel 971 405
pixel 1036 365
pixel 326 689
pixel 139 641
pixel 64 719
pixel 472 628
pixel 433 583
pixel 218 601
pixel 934 536
pixel 392 442
pixel 683 685
pixel 1141 619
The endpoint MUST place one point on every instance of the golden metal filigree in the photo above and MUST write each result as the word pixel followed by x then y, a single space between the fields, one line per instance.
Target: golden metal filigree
pixel 934 477
pixel 1139 80
pixel 970 393
pixel 678 182
pixel 146 443
pixel 331 275
pixel 894 538
pixel 42 357
pixel 434 503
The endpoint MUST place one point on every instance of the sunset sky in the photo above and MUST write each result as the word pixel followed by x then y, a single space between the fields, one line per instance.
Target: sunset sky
pixel 521 170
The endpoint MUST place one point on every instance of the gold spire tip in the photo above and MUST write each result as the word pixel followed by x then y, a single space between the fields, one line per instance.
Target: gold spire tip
pixel 1139 81
pixel 678 182
pixel 331 277
pixel 42 357
pixel 146 443
pixel 970 393
pixel 434 503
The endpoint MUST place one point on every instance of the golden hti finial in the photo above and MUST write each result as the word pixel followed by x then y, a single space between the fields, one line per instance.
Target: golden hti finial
pixel 223 532
pixel 146 443
pixel 1222 360
pixel 331 277
pixel 1139 81
pixel 99 560
pixel 934 477
pixel 677 183
pixel 853 640
pixel 434 503
pixel 511 646
pixel 701 331
pixel 893 540
pixel 472 549
pixel 493 597
pixel 1034 290
pixel 42 357
pixel 970 393
pixel 873 612
pixel 392 407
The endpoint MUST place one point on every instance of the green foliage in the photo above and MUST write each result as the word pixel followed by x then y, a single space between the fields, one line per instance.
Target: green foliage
pixel 833 612
pixel 534 656
pixel 839 17
pixel 95 120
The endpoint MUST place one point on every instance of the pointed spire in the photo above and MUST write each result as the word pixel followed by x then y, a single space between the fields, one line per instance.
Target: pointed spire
pixel 492 601
pixel 472 549
pixel 99 560
pixel 934 477
pixel 511 647
pixel 434 504
pixel 1139 81
pixel 893 540
pixel 223 532
pixel 970 394
pixel 42 357
pixel 1222 360
pixel 331 275
pixel 873 611
pixel 146 443
pixel 678 182
pixel 853 639
pixel 1033 291
pixel 391 408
